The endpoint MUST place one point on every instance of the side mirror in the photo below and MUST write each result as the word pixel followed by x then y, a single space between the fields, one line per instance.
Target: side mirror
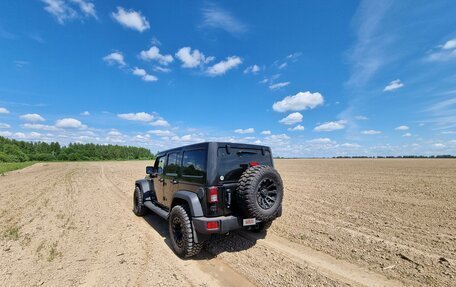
pixel 150 170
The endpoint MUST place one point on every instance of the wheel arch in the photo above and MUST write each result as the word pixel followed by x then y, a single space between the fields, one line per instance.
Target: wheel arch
pixel 189 198
pixel 146 187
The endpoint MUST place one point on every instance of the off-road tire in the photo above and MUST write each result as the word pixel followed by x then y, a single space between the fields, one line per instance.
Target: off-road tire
pixel 259 187
pixel 181 233
pixel 261 227
pixel 138 202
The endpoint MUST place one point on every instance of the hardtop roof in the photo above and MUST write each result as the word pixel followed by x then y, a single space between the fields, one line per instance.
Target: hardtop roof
pixel 205 144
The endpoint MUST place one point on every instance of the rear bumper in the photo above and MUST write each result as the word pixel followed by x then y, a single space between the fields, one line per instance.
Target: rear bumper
pixel 225 223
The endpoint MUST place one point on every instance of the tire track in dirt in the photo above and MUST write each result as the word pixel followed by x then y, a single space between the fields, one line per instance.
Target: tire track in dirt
pixel 214 272
pixel 333 268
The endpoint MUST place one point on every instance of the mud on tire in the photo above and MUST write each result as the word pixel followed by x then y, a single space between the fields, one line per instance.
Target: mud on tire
pixel 181 233
pixel 260 193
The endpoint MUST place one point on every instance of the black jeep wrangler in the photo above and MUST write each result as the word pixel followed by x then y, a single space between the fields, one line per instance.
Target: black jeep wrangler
pixel 210 188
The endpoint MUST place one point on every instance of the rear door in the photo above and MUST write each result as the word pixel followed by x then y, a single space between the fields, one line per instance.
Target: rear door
pixel 171 176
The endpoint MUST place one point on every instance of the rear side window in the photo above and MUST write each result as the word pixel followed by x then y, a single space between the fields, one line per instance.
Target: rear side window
pixel 172 165
pixel 231 165
pixel 194 165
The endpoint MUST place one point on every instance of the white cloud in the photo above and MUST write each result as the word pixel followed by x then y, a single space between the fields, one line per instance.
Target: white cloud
pixel 153 54
pixel 278 85
pixel 320 140
pixel 223 66
pixel 245 131
pixel 439 145
pixel 282 66
pixel 292 118
pixel 20 135
pixel 69 123
pixel 402 128
pixel 393 85
pixel 161 69
pixel 407 135
pixel 371 132
pixel 32 118
pixel 215 17
pixel 449 132
pixel 39 127
pixel 85 113
pixel 331 126
pixel 144 75
pixel 160 123
pixel 267 132
pixel 296 128
pixel 161 133
pixel 115 58
pixel 142 117
pixel 300 101
pixel 114 132
pixel 5 134
pixel 355 145
pixel 192 59
pixel 361 118
pixel 278 137
pixel 252 69
pixel 64 10
pixel 4 126
pixel 86 7
pixel 450 44
pixel 446 52
pixel 131 19
pixel 4 111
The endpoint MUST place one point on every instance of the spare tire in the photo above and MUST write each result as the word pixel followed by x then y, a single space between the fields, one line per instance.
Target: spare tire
pixel 260 193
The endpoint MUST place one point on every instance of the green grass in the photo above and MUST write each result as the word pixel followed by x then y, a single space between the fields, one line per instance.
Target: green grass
pixel 9 166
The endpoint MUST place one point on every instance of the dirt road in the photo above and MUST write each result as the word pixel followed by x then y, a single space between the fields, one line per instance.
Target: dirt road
pixel 345 223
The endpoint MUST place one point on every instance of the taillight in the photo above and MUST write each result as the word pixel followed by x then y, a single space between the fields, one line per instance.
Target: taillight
pixel 253 163
pixel 212 225
pixel 213 194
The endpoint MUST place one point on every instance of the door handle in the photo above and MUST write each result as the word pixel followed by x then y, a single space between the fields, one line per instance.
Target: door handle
pixel 175 181
pixel 161 180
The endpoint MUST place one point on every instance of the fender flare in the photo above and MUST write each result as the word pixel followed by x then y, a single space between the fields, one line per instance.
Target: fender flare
pixel 147 188
pixel 192 200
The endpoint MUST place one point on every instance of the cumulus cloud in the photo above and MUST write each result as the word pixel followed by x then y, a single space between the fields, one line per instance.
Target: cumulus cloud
pixel 69 123
pixel 141 116
pixel 192 59
pixel 245 131
pixel 292 118
pixel 85 113
pixel 5 133
pixel 296 128
pixel 160 123
pixel 393 85
pixel 402 128
pixel 439 145
pixel 39 127
pixel 4 126
pixel 267 132
pixel 161 133
pixel 223 66
pixel 4 111
pixel 331 126
pixel 131 19
pixel 153 54
pixel 371 132
pixel 32 118
pixel 144 75
pixel 252 69
pixel 300 101
pixel 407 135
pixel 115 58
pixel 320 140
pixel 278 85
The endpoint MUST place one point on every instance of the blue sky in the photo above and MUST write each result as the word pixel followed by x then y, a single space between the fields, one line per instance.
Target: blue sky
pixel 308 78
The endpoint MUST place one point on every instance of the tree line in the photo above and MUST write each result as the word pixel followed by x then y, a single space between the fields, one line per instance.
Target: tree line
pixel 20 151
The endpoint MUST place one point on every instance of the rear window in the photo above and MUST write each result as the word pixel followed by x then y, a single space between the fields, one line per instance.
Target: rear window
pixel 232 165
